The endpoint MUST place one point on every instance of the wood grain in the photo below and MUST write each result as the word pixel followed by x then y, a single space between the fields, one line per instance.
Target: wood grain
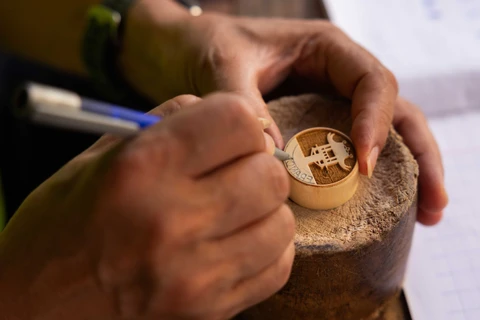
pixel 350 261
pixel 335 173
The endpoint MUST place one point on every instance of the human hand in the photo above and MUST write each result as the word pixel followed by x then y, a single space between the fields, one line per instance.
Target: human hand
pixel 185 221
pixel 213 52
pixel 411 123
pixel 183 54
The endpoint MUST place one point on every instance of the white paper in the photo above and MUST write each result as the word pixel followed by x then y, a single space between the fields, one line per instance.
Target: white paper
pixel 432 46
pixel 443 276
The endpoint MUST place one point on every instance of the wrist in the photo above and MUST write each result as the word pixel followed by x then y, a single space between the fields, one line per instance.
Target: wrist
pixel 152 45
pixel 104 40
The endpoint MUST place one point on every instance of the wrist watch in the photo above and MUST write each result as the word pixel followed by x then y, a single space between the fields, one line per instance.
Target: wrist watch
pixel 101 44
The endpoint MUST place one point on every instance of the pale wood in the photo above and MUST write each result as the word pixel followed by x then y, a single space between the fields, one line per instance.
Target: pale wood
pixel 350 261
pixel 265 123
pixel 316 187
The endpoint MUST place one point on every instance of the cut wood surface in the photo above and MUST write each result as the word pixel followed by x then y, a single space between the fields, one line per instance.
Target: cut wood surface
pixel 350 261
pixel 323 168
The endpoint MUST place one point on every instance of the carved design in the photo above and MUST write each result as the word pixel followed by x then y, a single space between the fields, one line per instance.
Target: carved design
pixel 320 156
pixel 331 154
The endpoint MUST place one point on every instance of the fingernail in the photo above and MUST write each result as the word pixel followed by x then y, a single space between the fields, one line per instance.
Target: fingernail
pixel 372 161
pixel 265 123
pixel 269 144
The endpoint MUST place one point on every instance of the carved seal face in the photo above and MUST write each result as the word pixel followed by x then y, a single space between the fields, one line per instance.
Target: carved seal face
pixel 321 156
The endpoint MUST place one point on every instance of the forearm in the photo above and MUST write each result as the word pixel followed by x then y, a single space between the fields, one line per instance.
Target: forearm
pixel 50 31
pixel 158 48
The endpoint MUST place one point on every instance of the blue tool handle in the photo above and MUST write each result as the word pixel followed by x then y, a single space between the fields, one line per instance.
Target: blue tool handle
pixel 142 119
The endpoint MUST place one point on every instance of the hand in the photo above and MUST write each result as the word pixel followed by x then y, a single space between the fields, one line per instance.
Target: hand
pixel 183 54
pixel 410 122
pixel 185 221
pixel 252 56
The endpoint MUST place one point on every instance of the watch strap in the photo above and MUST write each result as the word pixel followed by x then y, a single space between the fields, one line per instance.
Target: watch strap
pixel 101 44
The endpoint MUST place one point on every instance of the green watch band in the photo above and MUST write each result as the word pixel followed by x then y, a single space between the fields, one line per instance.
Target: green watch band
pixel 101 43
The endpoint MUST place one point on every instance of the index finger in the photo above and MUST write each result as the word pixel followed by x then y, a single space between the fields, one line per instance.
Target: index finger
pixel 218 130
pixel 166 109
pixel 357 75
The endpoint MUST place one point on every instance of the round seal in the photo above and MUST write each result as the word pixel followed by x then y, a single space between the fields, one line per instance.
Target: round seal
pixel 323 168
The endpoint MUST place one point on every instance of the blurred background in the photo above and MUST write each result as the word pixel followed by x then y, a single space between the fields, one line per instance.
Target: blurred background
pixel 310 9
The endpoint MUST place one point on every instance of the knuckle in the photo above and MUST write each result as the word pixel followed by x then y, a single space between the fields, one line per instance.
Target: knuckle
pixel 391 79
pixel 382 77
pixel 276 177
pixel 237 114
pixel 336 37
pixel 385 116
pixel 279 273
pixel 219 57
pixel 144 156
pixel 411 112
pixel 336 31
pixel 288 221
pixel 168 108
pixel 233 113
pixel 283 272
pixel 184 99
pixel 178 231
pixel 175 105
pixel 325 26
pixel 362 140
pixel 284 266
pixel 417 114
pixel 186 293
pixel 238 110
pixel 362 131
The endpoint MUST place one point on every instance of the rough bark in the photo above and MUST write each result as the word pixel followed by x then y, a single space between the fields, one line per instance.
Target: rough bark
pixel 350 261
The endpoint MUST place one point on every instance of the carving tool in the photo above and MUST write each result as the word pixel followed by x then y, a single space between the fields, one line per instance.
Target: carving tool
pixel 65 109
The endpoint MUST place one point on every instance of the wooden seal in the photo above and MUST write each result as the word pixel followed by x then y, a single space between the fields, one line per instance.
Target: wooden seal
pixel 350 261
pixel 323 170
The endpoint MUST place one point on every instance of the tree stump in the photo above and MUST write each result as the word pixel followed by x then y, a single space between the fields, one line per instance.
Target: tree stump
pixel 350 261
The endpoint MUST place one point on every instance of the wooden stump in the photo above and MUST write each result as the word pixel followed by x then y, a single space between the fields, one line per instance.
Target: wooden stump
pixel 350 261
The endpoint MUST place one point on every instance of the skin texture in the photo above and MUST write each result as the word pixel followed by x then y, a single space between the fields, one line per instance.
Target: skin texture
pixel 413 127
pixel 168 237
pixel 165 56
pixel 153 227
pixel 166 52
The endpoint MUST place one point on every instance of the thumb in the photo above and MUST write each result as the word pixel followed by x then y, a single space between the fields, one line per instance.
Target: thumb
pixel 260 107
